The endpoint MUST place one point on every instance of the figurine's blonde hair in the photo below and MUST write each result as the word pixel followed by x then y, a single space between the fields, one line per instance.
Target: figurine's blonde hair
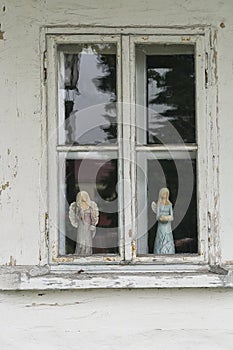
pixel 80 195
pixel 163 191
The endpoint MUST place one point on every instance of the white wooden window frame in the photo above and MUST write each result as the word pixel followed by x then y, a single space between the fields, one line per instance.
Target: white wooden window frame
pixel 58 151
pixel 200 146
pixel 204 41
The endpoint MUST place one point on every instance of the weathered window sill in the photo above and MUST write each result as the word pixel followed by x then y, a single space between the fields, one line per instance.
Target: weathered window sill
pixel 45 278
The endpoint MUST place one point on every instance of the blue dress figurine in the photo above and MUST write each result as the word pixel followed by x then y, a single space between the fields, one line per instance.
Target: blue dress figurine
pixel 164 242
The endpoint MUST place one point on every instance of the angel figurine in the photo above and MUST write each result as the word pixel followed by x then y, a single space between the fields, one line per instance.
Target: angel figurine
pixel 164 242
pixel 84 215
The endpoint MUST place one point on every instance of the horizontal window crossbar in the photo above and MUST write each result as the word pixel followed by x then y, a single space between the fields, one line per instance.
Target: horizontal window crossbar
pixel 171 147
pixel 85 148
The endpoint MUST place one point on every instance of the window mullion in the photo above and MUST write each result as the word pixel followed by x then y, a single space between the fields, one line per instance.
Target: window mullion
pixel 52 143
pixel 203 149
pixel 127 148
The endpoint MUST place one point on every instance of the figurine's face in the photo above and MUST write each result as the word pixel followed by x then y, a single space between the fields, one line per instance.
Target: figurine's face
pixel 164 197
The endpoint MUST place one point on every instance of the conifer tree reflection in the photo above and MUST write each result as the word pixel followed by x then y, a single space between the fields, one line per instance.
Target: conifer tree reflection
pixel 173 99
pixel 107 83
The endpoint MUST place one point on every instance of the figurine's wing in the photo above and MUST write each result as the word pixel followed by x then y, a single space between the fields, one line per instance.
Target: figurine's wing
pixel 72 215
pixel 94 213
pixel 154 207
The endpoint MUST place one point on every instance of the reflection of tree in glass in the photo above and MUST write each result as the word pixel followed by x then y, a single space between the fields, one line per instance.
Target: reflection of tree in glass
pixel 106 186
pixel 72 65
pixel 175 94
pixel 107 231
pixel 107 84
pixel 77 73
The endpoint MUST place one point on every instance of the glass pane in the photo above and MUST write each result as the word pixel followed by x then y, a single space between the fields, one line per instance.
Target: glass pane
pixel 166 87
pixel 87 94
pixel 178 233
pixel 97 178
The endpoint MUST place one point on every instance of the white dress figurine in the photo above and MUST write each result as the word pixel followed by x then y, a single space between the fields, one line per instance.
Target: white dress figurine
pixel 84 215
pixel 164 242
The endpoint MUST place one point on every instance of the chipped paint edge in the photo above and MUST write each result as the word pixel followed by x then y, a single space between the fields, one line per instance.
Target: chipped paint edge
pixel 42 278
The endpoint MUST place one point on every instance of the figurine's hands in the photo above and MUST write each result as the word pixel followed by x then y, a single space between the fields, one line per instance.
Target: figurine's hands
pixel 164 218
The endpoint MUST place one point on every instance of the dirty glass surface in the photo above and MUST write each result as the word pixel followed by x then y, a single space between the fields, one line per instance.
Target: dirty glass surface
pixel 87 93
pixel 184 225
pixel 169 93
pixel 98 177
pixel 179 176
pixel 165 115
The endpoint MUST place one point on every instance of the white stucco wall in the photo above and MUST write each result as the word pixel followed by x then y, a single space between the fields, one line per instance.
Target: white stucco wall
pixel 165 319
pixel 120 319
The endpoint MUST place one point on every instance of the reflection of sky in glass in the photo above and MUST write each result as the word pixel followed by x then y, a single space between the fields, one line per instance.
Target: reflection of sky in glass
pixel 93 108
pixel 90 96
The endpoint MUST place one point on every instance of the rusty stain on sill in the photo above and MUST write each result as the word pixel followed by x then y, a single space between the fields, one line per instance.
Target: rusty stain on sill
pixel 62 259
pixel 184 38
pixel 12 261
pixel 133 248
pixel 108 259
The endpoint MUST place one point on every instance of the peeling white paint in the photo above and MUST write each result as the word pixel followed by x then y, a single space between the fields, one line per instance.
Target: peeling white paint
pixel 22 115
pixel 112 319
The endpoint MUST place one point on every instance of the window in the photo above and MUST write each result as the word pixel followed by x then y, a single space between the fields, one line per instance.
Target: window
pixel 127 118
pixel 165 97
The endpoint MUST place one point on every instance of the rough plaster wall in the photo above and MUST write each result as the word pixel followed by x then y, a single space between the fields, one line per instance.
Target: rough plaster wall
pixel 152 319
pixel 20 133
pixel 161 319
